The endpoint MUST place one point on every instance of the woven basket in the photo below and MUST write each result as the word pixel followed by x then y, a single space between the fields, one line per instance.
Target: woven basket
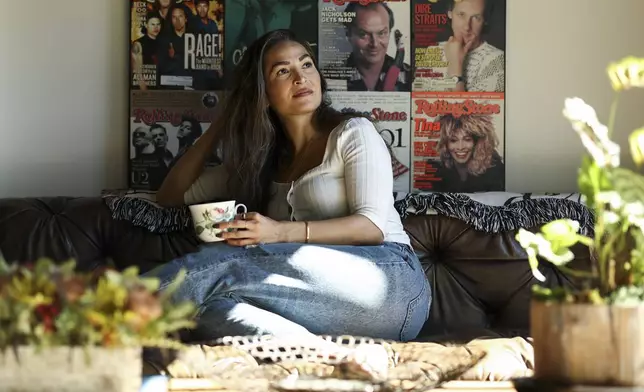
pixel 70 369
pixel 342 363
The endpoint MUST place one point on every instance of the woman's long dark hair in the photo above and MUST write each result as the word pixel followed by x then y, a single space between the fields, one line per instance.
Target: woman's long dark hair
pixel 250 137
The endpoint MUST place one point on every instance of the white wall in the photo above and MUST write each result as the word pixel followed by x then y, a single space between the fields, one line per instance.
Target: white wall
pixel 547 64
pixel 63 105
pixel 63 97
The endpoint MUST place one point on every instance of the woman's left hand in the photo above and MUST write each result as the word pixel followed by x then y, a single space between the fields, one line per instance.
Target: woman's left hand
pixel 254 229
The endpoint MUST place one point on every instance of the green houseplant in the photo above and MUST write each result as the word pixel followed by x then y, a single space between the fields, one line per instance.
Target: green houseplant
pixel 61 329
pixel 591 335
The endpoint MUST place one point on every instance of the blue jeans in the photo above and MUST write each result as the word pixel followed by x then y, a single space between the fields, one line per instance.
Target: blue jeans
pixel 288 288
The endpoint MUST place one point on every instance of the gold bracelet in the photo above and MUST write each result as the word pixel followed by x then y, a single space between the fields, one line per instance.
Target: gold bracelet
pixel 308 232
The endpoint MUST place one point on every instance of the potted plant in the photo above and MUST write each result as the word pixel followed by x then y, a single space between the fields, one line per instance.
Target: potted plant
pixel 593 335
pixel 65 330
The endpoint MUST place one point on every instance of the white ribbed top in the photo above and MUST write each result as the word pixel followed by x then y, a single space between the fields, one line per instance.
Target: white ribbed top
pixel 354 177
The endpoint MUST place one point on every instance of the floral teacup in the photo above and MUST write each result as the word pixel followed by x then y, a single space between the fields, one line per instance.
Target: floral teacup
pixel 205 216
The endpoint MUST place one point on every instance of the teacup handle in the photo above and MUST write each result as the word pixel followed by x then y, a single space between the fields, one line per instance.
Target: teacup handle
pixel 240 205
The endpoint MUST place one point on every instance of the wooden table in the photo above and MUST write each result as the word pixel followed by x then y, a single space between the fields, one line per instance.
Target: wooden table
pixel 204 385
pixel 472 386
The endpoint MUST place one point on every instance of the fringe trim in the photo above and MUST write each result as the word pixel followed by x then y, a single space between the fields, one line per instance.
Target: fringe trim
pixel 524 213
pixel 521 213
pixel 149 215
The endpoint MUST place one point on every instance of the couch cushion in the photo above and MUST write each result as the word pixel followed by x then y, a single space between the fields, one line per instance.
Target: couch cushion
pixel 479 280
pixel 82 228
pixel 58 227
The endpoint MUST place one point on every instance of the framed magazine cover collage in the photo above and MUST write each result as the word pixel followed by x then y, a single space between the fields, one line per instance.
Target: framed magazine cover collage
pixel 430 74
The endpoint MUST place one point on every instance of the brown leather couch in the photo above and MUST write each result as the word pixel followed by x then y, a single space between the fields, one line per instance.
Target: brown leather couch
pixel 481 282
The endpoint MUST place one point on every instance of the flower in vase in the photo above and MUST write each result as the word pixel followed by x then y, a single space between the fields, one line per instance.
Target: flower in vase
pixel 626 73
pixel 71 288
pixel 636 142
pixel 144 305
pixel 593 134
pixel 48 314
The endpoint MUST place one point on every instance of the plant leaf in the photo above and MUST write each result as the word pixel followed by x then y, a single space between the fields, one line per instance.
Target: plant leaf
pixel 181 311
pixel 561 233
pixel 592 180
pixel 150 283
pixel 636 143
pixel 68 267
pixel 534 265
pixel 626 73
pixel 113 277
pixel 628 184
pixel 130 272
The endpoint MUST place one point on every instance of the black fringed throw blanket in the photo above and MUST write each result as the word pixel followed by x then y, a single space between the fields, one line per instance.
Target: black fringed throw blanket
pixel 141 209
pixel 491 212
pixel 515 213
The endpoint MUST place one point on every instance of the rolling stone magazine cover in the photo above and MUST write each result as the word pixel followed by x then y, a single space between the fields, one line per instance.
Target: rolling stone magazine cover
pixel 365 51
pixel 390 114
pixel 477 30
pixel 429 73
pixel 163 125
pixel 457 142
pixel 179 47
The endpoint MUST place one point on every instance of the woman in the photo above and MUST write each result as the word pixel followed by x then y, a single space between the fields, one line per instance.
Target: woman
pixel 329 254
pixel 469 160
pixel 189 131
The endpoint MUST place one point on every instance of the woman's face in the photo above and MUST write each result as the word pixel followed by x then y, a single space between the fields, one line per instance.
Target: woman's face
pixel 153 27
pixel 293 83
pixel 185 129
pixel 460 146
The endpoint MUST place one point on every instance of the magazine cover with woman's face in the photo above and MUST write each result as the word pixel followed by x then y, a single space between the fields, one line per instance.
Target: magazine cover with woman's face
pixel 458 142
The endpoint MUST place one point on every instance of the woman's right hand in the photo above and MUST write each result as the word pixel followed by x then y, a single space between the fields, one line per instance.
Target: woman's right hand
pixel 251 228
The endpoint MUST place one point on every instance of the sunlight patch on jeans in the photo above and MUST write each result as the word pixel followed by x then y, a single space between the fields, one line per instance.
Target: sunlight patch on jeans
pixel 273 324
pixel 344 275
pixel 285 281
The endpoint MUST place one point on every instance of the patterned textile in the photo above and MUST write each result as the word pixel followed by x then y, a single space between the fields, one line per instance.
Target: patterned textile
pixel 495 212
pixel 141 209
pixel 491 212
